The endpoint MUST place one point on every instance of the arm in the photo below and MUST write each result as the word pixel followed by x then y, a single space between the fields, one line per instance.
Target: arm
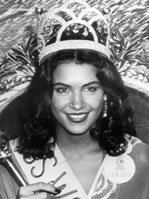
pixel 8 186
pixel 140 182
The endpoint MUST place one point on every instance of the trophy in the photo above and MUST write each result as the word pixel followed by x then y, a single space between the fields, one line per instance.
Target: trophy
pixel 7 161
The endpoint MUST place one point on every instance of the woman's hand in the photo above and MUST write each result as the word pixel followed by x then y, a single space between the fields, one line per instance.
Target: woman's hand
pixel 38 191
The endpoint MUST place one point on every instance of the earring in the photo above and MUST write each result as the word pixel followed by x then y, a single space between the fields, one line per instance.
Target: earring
pixel 105 109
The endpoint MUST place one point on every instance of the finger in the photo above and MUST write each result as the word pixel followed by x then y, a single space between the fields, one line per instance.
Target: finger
pixel 37 187
pixel 51 182
pixel 41 195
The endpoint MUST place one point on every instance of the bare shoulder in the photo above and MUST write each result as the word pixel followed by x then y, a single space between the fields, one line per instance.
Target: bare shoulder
pixel 5 175
pixel 2 169
pixel 3 172
pixel 140 153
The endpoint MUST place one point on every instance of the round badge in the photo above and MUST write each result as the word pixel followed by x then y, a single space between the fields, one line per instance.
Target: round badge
pixel 119 169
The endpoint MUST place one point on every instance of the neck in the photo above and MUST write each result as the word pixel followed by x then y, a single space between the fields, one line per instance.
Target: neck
pixel 76 144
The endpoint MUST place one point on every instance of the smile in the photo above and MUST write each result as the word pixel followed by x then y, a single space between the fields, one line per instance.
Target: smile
pixel 77 117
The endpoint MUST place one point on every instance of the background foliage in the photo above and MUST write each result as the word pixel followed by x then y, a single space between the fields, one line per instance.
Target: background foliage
pixel 129 23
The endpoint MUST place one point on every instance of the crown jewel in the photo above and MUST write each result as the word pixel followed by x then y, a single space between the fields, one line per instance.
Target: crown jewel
pixel 75 25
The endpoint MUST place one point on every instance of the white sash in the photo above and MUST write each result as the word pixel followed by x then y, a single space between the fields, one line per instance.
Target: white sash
pixel 102 186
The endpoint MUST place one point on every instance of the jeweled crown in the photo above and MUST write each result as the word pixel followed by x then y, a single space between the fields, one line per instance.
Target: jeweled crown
pixel 74 25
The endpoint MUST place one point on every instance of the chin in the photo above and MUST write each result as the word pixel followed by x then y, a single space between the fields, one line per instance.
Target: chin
pixel 77 130
pixel 74 128
pixel 77 133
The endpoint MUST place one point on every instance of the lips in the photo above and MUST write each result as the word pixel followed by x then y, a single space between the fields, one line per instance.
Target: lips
pixel 77 117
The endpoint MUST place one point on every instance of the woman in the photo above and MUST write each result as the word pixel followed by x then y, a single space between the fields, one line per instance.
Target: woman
pixel 78 139
pixel 84 114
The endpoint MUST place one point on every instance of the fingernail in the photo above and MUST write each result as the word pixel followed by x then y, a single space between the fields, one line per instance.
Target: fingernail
pixel 77 198
pixel 58 190
pixel 61 187
pixel 51 183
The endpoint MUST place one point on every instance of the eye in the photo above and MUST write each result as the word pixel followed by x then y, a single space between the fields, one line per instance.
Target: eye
pixel 61 89
pixel 91 89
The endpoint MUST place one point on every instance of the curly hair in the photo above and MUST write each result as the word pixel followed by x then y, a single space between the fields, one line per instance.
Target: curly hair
pixel 40 124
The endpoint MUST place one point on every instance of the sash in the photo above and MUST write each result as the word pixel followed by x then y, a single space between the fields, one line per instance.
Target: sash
pixel 112 171
pixel 61 173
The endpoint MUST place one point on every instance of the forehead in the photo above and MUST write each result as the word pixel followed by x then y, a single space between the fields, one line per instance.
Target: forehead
pixel 70 72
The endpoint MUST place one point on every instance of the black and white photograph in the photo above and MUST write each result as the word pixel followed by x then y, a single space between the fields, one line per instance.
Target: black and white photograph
pixel 74 99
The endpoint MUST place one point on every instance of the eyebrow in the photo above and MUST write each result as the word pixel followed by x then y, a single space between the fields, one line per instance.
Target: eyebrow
pixel 63 84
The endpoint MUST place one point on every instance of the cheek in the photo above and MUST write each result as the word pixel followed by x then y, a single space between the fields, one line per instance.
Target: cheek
pixel 58 103
pixel 95 101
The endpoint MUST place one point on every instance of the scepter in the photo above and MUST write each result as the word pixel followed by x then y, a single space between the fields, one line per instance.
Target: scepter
pixel 7 161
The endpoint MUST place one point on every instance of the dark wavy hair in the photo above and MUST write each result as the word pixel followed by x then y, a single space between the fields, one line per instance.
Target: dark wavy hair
pixel 39 129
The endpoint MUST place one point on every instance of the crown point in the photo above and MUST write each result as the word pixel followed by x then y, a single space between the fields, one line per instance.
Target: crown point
pixel 74 20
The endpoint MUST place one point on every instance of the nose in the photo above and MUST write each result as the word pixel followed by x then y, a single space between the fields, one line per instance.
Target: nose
pixel 77 101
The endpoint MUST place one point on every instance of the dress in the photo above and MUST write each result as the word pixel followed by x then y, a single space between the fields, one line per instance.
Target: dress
pixel 120 177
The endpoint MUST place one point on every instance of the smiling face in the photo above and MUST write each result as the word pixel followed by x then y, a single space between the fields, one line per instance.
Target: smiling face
pixel 77 97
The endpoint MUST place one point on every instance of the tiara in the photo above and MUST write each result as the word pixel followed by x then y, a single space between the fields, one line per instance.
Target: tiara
pixel 74 25
pixel 18 59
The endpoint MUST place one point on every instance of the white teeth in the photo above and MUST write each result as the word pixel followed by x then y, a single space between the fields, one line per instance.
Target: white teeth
pixel 78 116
